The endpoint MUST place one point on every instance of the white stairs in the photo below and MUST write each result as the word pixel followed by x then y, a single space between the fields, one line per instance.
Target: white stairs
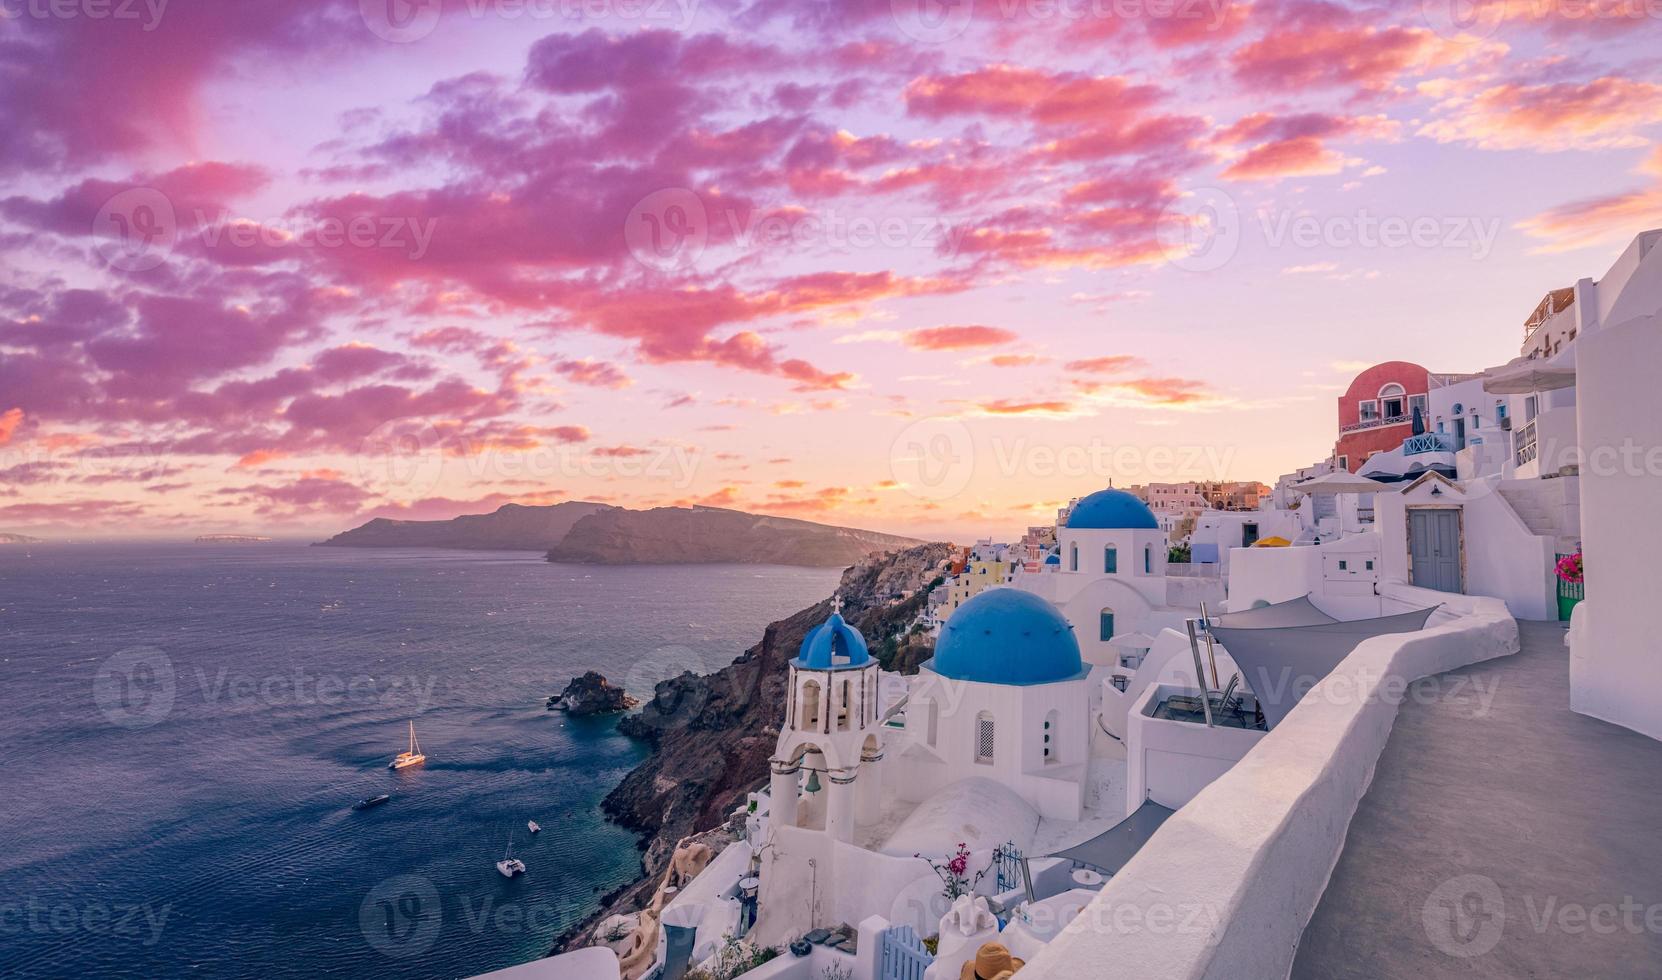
pixel 1549 508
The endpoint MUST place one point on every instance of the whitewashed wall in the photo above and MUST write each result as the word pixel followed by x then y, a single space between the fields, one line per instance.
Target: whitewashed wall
pixel 1225 888
pixel 1615 671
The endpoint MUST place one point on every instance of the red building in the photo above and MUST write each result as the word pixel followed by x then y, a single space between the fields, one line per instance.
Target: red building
pixel 1377 412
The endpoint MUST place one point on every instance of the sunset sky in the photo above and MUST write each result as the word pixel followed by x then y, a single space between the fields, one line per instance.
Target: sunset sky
pixel 925 267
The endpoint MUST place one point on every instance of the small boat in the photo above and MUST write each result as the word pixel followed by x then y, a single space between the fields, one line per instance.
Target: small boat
pixel 510 865
pixel 372 801
pixel 532 826
pixel 413 757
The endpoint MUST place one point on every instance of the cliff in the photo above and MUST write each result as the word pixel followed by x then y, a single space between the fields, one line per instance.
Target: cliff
pixel 676 535
pixel 511 527
pixel 712 735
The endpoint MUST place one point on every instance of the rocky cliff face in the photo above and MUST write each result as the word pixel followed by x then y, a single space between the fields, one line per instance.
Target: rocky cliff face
pixel 511 527
pixel 678 535
pixel 712 735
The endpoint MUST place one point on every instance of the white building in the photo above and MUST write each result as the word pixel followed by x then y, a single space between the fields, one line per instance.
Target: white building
pixel 1110 573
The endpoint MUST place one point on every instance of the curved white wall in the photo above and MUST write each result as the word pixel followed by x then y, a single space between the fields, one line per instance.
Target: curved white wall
pixel 1225 888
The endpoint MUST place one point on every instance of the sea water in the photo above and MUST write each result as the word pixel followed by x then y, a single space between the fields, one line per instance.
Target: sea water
pixel 184 728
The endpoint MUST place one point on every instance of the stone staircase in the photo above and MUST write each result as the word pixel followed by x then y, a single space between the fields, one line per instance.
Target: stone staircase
pixel 1548 508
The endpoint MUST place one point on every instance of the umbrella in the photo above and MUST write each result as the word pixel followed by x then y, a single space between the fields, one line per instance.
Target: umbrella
pixel 1275 541
pixel 1340 482
pixel 1527 375
pixel 1419 422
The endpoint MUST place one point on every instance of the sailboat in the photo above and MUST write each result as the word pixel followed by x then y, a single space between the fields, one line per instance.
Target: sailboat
pixel 510 865
pixel 533 827
pixel 413 757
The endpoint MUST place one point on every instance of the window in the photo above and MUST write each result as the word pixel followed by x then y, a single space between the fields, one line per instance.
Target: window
pixel 1500 411
pixel 1073 558
pixel 1344 566
pixel 1368 411
pixel 1110 560
pixel 1105 626
pixel 1420 402
pixel 984 738
pixel 1148 560
pixel 1050 730
pixel 1391 401
pixel 1370 566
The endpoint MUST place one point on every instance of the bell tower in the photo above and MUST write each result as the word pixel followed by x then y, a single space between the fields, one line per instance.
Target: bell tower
pixel 830 741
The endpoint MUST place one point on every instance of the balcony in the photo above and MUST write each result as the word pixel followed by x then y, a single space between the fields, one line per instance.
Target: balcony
pixel 1376 423
pixel 1527 444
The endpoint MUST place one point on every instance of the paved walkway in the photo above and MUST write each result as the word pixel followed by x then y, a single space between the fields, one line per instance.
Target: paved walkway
pixel 1503 836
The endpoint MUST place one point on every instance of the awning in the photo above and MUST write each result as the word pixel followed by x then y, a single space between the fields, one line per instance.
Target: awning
pixel 1293 612
pixel 1109 851
pixel 1281 663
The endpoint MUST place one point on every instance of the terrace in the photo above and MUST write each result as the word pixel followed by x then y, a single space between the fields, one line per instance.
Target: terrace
pixel 1503 835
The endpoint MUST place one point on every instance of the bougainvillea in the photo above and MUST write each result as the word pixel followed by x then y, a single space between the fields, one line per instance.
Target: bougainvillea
pixel 1569 568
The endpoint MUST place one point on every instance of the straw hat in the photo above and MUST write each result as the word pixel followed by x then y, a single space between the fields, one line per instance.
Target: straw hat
pixel 992 961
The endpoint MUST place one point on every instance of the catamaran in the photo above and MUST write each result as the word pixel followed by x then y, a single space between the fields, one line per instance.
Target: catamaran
pixel 413 757
pixel 510 865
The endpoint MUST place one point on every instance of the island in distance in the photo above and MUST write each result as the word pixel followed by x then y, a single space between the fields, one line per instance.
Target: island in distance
pixel 7 538
pixel 590 533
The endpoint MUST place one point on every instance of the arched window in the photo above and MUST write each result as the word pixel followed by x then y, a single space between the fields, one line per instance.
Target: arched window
pixel 1106 625
pixel 1073 558
pixel 845 707
pixel 984 738
pixel 1392 401
pixel 1052 729
pixel 1110 560
pixel 1148 560
pixel 808 717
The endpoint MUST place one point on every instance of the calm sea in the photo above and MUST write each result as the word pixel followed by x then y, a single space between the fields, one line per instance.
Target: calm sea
pixel 183 730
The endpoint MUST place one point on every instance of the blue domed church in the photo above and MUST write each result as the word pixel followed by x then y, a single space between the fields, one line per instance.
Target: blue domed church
pixel 1006 698
pixel 1108 574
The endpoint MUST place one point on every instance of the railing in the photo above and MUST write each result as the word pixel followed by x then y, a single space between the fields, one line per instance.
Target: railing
pixel 1376 423
pixel 1525 441
pixel 1423 443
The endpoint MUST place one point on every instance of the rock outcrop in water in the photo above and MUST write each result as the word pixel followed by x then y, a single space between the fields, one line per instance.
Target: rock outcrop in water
pixel 591 694
pixel 712 734
pixel 686 535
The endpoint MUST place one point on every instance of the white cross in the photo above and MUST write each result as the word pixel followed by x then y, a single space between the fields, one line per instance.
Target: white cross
pixel 837 603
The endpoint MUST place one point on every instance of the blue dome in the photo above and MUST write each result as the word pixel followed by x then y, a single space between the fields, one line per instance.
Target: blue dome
pixel 832 645
pixel 1053 560
pixel 1112 510
pixel 1008 636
